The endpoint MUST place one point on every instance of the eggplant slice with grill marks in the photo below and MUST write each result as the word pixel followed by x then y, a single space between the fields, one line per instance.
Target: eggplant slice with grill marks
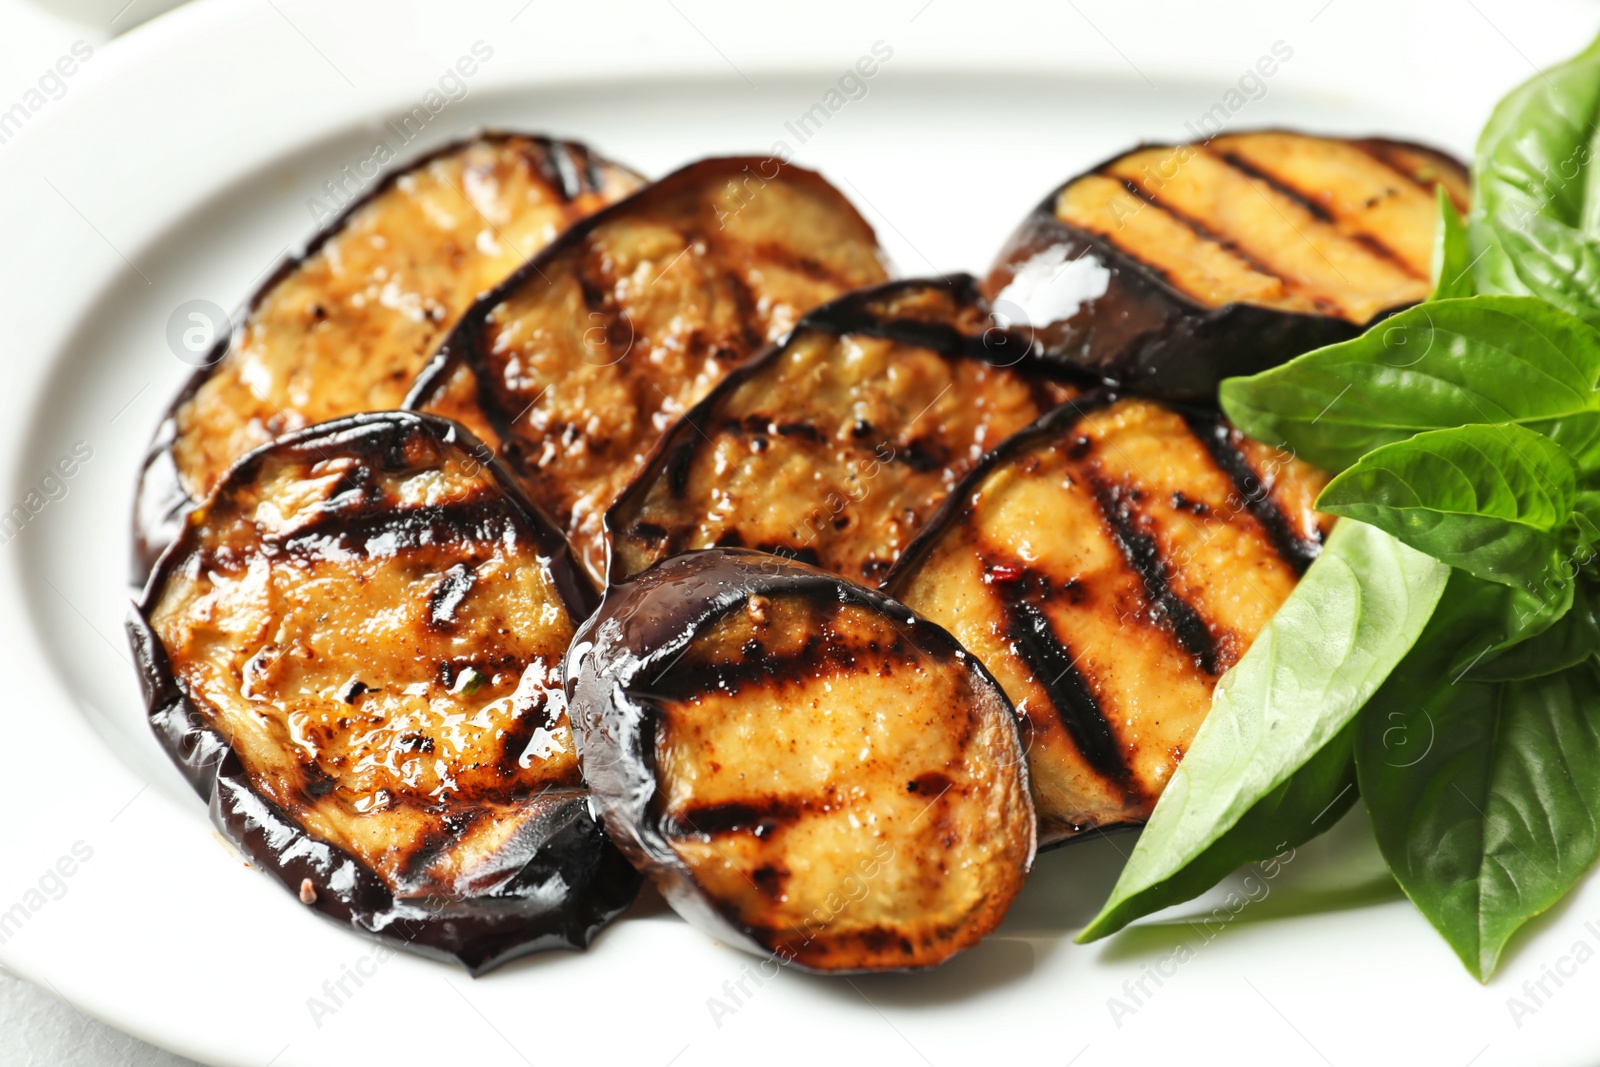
pixel 1170 268
pixel 1108 565
pixel 803 767
pixel 346 325
pixel 354 652
pixel 836 446
pixel 588 354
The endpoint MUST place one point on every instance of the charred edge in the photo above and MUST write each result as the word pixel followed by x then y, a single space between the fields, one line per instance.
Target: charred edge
pixel 852 317
pixel 758 817
pixel 1144 556
pixel 1075 704
pixel 1322 214
pixel 1217 437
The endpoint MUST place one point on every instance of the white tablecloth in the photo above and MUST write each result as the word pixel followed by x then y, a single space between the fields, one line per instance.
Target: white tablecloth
pixel 37 1030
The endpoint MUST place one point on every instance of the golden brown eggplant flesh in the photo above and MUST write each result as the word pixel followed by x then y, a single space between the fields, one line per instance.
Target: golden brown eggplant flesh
pixel 834 447
pixel 1107 566
pixel 804 768
pixel 588 354
pixel 354 651
pixel 346 325
pixel 1171 267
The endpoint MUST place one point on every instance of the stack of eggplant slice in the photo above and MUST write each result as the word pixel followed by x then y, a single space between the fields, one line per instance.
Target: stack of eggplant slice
pixel 346 325
pixel 902 580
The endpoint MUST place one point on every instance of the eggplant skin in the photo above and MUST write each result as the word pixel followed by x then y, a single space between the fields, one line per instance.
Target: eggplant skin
pixel 1108 565
pixel 834 446
pixel 346 595
pixel 803 767
pixel 1170 267
pixel 344 325
pixel 583 359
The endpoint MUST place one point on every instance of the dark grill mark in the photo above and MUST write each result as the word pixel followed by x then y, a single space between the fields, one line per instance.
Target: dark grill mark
pixel 1367 241
pixel 759 817
pixel 387 531
pixel 800 429
pixel 1385 155
pixel 1075 704
pixel 562 171
pixel 1217 436
pixel 1178 616
pixel 684 682
pixel 931 784
pixel 448 595
pixel 678 462
pixel 1205 233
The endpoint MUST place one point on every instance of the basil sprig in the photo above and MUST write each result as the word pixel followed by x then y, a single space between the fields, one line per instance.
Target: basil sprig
pixel 1466 432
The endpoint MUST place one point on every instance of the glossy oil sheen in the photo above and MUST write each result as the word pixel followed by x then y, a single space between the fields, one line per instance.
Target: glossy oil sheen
pixel 835 447
pixel 584 358
pixel 803 767
pixel 1108 565
pixel 368 629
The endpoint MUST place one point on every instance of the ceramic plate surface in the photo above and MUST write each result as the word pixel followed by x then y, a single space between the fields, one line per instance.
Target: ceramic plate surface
pixel 181 164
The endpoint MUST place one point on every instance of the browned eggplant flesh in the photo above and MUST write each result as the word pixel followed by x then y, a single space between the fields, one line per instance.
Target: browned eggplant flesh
pixel 346 326
pixel 836 446
pixel 354 650
pixel 804 768
pixel 588 354
pixel 1108 565
pixel 1171 267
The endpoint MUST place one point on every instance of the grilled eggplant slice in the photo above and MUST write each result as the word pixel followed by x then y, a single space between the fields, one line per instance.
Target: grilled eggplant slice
pixel 353 650
pixel 1108 565
pixel 804 768
pixel 835 447
pixel 589 353
pixel 346 325
pixel 1170 268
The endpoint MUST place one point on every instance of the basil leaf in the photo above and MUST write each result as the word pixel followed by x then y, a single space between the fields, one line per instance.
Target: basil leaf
pixel 1452 252
pixel 1326 650
pixel 1532 162
pixel 1485 796
pixel 1312 799
pixel 1504 618
pixel 1573 638
pixel 1555 262
pixel 1491 500
pixel 1481 359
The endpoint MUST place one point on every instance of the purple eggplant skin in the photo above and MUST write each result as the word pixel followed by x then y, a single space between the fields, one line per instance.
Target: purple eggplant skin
pixel 635 649
pixel 1147 336
pixel 563 889
pixel 1143 334
pixel 161 499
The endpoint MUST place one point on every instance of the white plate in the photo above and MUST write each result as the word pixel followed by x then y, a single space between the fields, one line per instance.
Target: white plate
pixel 178 166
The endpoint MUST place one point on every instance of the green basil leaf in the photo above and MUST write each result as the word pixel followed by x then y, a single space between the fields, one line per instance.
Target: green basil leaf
pixel 1573 638
pixel 1555 262
pixel 1485 796
pixel 1532 162
pixel 1503 618
pixel 1326 650
pixel 1452 252
pixel 1494 501
pixel 1481 359
pixel 1309 802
